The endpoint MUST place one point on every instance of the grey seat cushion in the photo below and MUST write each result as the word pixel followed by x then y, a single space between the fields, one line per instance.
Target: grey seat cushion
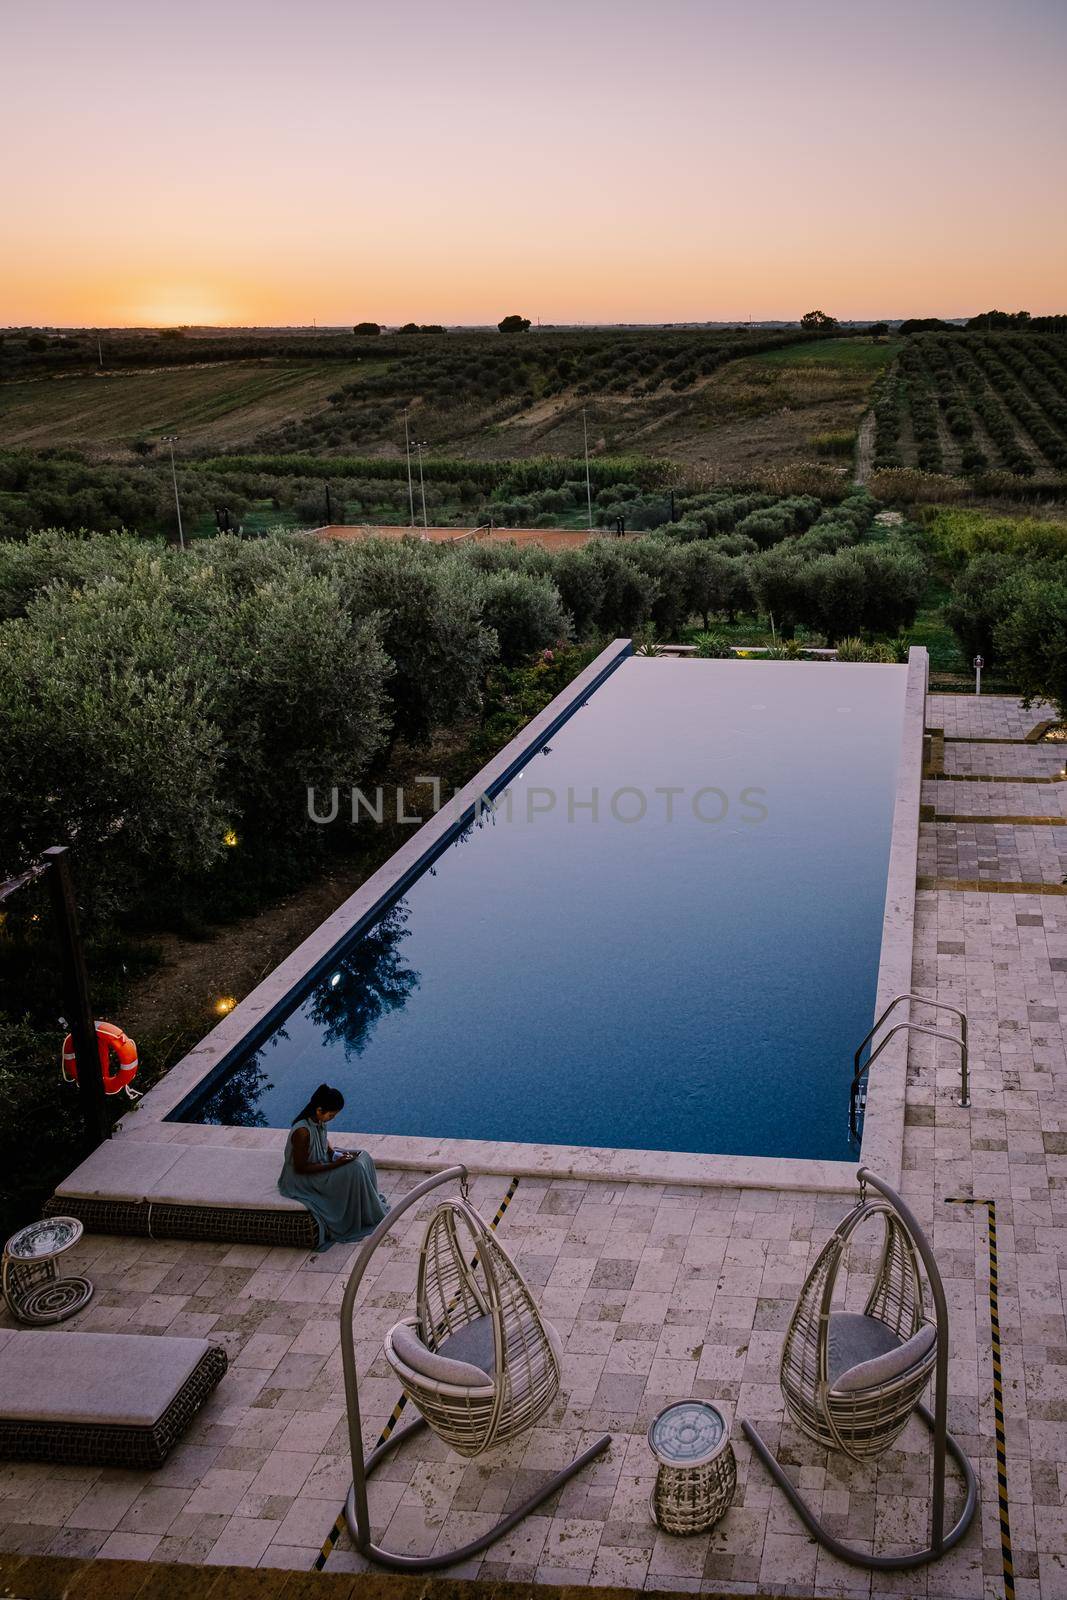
pixel 101 1379
pixel 464 1358
pixel 457 1360
pixel 140 1171
pixel 863 1352
pixel 474 1343
pixel 122 1168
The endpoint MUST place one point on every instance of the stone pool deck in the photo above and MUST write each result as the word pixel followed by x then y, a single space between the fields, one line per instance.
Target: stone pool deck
pixel 661 1292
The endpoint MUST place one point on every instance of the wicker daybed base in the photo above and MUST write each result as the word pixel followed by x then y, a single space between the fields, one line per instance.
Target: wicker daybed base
pixel 214 1224
pixel 99 1443
pixel 172 1190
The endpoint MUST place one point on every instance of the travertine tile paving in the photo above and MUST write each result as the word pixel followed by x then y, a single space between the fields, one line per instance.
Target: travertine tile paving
pixel 999 852
pixel 1006 760
pixel 658 1293
pixel 964 716
pixel 1000 799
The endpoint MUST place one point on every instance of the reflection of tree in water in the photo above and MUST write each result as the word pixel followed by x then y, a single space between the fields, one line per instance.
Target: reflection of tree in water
pixel 367 982
pixel 235 1103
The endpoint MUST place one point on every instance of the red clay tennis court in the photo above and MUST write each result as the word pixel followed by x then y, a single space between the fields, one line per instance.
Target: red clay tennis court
pixel 550 538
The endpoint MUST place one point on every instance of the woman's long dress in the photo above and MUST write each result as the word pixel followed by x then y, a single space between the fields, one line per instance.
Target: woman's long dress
pixel 344 1201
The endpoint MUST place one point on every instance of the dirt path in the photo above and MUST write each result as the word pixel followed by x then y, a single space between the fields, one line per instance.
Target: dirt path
pixel 864 450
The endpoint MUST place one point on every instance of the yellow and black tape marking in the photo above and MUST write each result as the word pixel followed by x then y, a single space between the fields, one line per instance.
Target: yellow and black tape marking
pixel 398 1410
pixel 1006 1557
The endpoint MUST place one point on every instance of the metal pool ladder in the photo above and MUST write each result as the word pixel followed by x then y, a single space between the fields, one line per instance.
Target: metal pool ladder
pixel 857 1100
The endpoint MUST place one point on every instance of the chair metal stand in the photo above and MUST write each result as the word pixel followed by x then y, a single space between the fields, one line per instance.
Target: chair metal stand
pixel 357 1513
pixel 937 1422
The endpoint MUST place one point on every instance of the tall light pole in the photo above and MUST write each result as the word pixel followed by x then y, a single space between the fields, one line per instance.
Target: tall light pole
pixel 407 452
pixel 422 485
pixel 588 485
pixel 171 439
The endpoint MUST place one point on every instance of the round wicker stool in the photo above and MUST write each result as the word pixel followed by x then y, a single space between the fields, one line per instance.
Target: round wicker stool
pixel 32 1287
pixel 697 1473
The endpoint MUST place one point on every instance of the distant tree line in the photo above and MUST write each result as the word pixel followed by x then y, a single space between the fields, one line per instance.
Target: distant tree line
pixel 987 322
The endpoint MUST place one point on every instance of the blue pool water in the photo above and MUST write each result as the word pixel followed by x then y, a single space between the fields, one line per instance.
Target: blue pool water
pixel 692 978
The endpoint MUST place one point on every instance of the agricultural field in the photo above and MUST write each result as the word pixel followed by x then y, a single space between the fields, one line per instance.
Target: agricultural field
pixel 721 401
pixel 724 399
pixel 217 404
pixel 265 440
pixel 968 404
pixel 802 403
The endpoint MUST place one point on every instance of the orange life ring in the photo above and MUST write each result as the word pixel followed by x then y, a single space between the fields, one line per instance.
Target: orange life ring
pixel 118 1058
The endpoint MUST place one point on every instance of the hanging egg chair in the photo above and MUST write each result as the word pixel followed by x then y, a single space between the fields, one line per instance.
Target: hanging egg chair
pixel 852 1380
pixel 477 1361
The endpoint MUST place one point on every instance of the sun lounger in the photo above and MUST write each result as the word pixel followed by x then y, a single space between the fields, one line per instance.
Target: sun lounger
pixel 181 1191
pixel 100 1399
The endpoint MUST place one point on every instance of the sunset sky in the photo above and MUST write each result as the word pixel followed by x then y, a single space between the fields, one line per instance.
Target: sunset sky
pixel 240 161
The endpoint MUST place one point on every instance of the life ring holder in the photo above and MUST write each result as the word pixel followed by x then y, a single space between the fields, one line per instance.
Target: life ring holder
pixel 118 1060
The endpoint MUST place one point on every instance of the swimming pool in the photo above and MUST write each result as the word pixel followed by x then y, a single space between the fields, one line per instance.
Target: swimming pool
pixel 667 937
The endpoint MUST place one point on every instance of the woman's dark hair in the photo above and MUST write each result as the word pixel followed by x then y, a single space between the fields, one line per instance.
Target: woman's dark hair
pixel 324 1099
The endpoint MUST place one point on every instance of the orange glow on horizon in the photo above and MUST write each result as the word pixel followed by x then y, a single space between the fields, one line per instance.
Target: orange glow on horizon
pixel 683 160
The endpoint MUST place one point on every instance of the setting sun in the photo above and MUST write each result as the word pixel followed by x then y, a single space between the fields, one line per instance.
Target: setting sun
pixel 167 308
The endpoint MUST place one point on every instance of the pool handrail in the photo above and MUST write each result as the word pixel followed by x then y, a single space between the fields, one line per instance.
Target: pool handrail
pixel 860 1069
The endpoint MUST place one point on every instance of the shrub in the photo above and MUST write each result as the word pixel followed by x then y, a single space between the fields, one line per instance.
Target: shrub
pixel 780 586
pixel 713 647
pixel 906 486
pixel 960 535
pixel 581 579
pixel 982 596
pixel 108 701
pixel 852 649
pixel 713 582
pixel 524 612
pixel 426 605
pixel 629 594
pixel 57 556
pixel 840 442
pixel 41 1129
pixel 1032 639
pixel 309 686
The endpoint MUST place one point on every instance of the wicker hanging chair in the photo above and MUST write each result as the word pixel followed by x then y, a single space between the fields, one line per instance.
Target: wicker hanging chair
pixel 852 1380
pixel 849 1380
pixel 477 1361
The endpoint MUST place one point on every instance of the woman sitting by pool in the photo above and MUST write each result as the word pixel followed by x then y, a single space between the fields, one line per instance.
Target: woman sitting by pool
pixel 338 1187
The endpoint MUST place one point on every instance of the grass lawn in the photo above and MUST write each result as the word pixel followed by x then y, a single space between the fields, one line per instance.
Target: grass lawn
pixel 859 354
pixel 931 630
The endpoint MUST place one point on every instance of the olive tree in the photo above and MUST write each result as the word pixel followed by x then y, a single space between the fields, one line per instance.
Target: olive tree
pixel 426 607
pixel 780 588
pixel 713 582
pixel 524 612
pixel 107 704
pixel 1032 639
pixel 309 708
pixel 582 585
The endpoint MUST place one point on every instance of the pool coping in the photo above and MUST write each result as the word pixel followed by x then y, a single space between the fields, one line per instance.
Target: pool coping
pixel 882 1146
pixel 883 1126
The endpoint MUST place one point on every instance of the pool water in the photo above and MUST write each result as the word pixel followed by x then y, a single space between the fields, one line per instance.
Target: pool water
pixel 668 938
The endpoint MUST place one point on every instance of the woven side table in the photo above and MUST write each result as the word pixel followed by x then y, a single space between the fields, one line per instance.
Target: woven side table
pixel 32 1287
pixel 697 1472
